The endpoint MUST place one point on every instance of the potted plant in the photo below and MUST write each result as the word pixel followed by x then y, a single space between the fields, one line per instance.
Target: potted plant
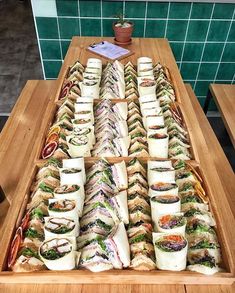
pixel 123 30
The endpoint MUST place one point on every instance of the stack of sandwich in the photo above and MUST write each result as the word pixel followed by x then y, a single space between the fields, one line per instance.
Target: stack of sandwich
pixel 164 90
pixel 140 226
pixel 111 130
pixel 204 254
pixel 137 132
pixel 178 135
pixel 56 143
pixel 131 88
pixel 82 137
pixel 113 83
pixel 72 133
pixel 103 240
pixel 71 88
pixel 179 147
pixel 153 118
pixel 47 234
pixel 182 223
pixel 90 86
pixel 169 223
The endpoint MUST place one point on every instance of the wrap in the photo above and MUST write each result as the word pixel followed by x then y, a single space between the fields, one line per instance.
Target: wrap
pixel 150 111
pixel 71 176
pixel 170 251
pixel 59 227
pixel 144 60
pixel 71 192
pixel 78 146
pixel 82 123
pixel 93 69
pixel 155 129
pixel 158 145
pixel 148 98
pixel 58 254
pixel 164 205
pixel 63 208
pixel 85 131
pixel 94 62
pixel 147 87
pixel 84 114
pixel 159 164
pixel 164 175
pixel 145 71
pixel 152 120
pixel 90 89
pixel 83 104
pixel 160 188
pixel 76 163
pixel 173 223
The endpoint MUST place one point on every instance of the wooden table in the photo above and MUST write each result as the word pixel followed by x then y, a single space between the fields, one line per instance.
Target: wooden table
pixel 19 135
pixel 217 173
pixel 224 97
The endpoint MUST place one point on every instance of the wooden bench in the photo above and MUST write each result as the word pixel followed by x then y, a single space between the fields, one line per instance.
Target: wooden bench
pixel 224 97
pixel 18 137
pixel 223 167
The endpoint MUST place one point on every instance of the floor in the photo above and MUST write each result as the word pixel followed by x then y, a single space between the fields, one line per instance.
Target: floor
pixel 19 58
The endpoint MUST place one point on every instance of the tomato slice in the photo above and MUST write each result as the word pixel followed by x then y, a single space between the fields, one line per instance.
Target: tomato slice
pixel 49 149
pixel 52 137
pixel 15 245
pixel 25 222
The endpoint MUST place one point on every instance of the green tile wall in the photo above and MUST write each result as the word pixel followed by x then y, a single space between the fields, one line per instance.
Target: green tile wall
pixel 201 35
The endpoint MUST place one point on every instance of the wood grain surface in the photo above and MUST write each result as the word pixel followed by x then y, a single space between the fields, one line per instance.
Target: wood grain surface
pixel 216 152
pixel 215 173
pixel 224 97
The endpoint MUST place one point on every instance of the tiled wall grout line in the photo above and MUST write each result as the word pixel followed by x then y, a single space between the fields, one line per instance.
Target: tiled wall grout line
pixel 53 60
pixel 233 79
pixel 149 18
pixel 168 13
pixel 189 42
pixel 186 35
pixel 204 45
pixel 210 80
pixel 79 18
pixel 58 27
pixel 145 17
pixel 197 60
pixel 225 43
pixel 209 62
pixel 201 42
pixel 101 14
pixel 39 46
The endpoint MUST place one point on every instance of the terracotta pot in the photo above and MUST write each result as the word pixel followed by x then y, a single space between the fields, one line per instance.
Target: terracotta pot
pixel 123 34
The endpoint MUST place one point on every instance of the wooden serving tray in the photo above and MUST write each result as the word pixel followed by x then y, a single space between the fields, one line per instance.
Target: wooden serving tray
pixel 209 167
pixel 51 116
pixel 113 276
pixel 77 52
